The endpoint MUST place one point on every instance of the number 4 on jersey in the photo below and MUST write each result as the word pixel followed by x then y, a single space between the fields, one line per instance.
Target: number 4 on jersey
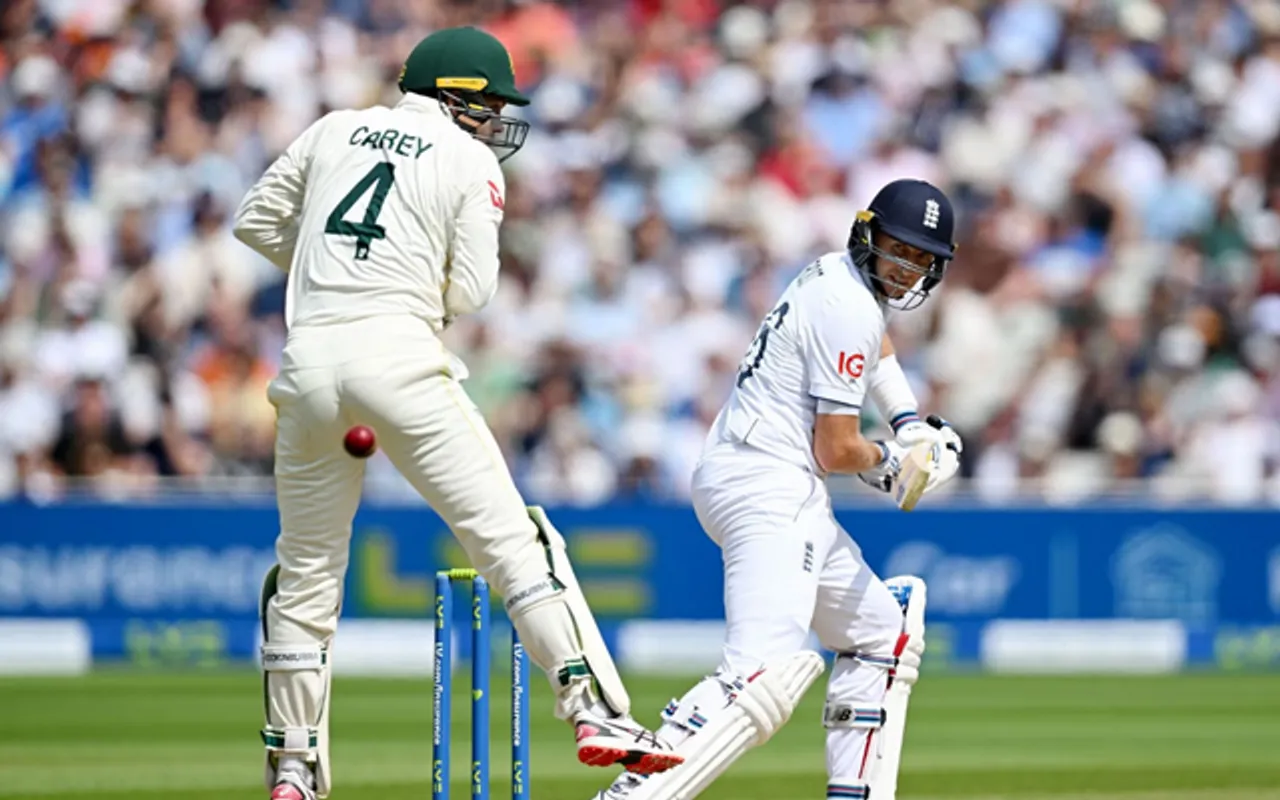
pixel 381 177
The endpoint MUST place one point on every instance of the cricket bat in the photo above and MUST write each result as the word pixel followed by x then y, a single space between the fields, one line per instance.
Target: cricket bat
pixel 919 465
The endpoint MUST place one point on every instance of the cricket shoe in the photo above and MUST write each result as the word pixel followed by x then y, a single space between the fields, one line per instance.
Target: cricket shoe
pixel 290 786
pixel 622 787
pixel 603 742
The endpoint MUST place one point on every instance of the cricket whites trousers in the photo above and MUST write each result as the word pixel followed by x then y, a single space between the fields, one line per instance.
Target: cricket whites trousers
pixel 789 568
pixel 394 375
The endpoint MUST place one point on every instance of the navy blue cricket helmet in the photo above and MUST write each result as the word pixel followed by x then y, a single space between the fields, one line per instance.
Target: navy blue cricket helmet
pixel 918 214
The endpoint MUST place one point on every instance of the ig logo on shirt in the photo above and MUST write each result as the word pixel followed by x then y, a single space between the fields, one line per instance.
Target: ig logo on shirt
pixel 851 366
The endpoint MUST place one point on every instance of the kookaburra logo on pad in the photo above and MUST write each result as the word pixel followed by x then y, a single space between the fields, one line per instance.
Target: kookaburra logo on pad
pixel 931 211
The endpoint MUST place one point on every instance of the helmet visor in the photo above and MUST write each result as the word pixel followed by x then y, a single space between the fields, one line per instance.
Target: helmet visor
pixel 906 282
pixel 479 115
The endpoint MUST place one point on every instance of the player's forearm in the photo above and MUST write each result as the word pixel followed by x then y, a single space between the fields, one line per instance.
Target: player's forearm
pixel 473 271
pixel 464 294
pixel 892 393
pixel 266 220
pixel 848 455
pixel 267 237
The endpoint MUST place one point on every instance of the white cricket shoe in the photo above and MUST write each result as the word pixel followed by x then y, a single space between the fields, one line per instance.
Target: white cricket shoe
pixel 622 787
pixel 605 741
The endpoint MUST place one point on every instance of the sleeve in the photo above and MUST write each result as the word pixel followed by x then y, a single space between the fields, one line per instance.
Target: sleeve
pixel 892 392
pixel 471 276
pixel 267 219
pixel 842 345
pixel 837 409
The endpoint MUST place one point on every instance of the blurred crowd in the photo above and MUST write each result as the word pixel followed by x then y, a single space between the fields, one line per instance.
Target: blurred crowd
pixel 1112 319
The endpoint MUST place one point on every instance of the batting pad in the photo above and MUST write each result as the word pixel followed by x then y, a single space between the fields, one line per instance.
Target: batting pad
pixel 759 711
pixel 911 594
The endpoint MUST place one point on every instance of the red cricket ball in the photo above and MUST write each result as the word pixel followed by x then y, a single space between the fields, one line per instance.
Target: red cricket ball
pixel 360 441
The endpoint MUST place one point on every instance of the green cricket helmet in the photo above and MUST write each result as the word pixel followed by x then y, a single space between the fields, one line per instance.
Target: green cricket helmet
pixel 466 69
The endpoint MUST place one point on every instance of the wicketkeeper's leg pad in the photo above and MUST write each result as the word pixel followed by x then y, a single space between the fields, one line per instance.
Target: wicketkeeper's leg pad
pixel 763 704
pixel 297 682
pixel 560 633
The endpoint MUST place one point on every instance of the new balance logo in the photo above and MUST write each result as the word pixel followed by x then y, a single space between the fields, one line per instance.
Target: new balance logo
pixel 931 212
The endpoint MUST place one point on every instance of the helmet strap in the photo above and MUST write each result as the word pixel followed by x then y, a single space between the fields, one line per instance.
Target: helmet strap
pixel 460 108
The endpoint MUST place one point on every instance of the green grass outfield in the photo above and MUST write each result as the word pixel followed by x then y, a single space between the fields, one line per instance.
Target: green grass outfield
pixel 194 737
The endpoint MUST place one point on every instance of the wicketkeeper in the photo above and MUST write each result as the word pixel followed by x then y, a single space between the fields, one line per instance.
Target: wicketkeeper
pixel 386 220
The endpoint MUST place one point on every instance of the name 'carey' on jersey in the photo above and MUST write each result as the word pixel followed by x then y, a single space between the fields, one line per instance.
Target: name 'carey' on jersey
pixel 402 144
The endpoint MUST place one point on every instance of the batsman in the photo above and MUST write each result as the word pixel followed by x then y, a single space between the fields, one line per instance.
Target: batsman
pixel 386 220
pixel 760 492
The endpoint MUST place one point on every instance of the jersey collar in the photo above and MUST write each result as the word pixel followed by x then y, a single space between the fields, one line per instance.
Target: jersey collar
pixel 421 104
pixel 858 275
pixel 847 259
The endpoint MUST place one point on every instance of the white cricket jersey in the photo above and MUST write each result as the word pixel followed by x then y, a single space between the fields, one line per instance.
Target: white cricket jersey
pixel 819 344
pixel 380 211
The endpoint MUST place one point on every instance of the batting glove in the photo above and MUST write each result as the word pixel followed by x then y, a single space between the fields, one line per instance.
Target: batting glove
pixel 933 429
pixel 881 476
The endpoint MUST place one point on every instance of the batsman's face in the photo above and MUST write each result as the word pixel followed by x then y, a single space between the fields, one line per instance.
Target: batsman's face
pixel 904 267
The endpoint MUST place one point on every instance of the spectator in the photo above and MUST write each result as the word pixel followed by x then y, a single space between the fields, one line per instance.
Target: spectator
pixel 1113 318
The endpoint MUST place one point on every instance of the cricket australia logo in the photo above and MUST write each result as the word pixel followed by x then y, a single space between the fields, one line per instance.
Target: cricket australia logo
pixel 931 211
